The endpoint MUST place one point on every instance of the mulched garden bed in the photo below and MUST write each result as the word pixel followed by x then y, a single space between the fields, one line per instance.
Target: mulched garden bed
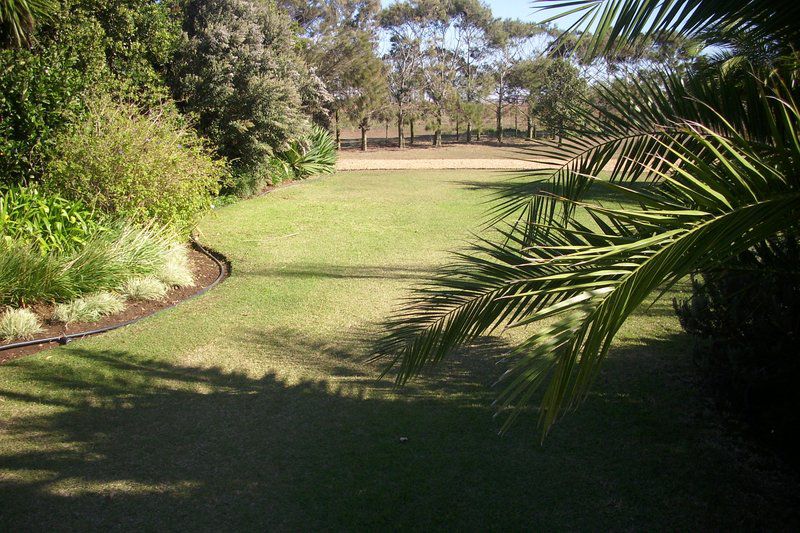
pixel 205 271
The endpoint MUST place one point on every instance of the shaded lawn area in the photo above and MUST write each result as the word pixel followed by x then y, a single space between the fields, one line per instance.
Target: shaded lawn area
pixel 252 407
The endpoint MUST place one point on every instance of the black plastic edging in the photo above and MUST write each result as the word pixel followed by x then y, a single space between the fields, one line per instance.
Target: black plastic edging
pixel 64 339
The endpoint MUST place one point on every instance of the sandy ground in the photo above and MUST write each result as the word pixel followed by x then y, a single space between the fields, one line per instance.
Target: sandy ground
pixel 489 156
pixel 436 164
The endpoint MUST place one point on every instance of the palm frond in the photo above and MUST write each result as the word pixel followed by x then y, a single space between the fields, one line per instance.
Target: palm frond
pixel 719 191
pixel 608 25
pixel 625 137
pixel 17 18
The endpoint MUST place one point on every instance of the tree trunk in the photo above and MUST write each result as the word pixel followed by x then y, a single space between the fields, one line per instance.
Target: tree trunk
pixel 516 121
pixel 458 134
pixel 338 130
pixel 500 116
pixel 401 135
pixel 411 125
pixel 387 134
pixel 529 131
pixel 364 139
pixel 437 135
pixel 469 132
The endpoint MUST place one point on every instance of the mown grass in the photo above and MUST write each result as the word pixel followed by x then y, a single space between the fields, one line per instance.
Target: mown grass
pixel 252 407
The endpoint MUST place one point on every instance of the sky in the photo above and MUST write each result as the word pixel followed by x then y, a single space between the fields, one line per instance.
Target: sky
pixel 519 9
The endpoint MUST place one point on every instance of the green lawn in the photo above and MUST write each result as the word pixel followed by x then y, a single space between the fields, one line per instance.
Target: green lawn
pixel 251 407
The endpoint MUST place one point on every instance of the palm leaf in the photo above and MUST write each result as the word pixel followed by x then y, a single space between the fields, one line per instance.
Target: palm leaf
pixel 608 25
pixel 718 191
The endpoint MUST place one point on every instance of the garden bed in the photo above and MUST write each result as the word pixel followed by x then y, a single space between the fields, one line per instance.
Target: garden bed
pixel 206 270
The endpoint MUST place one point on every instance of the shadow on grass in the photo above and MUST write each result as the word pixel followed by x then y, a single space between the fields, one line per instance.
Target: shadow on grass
pixel 150 445
pixel 519 183
pixel 321 270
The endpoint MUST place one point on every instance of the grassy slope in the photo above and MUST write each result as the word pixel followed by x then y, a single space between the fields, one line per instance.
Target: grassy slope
pixel 251 407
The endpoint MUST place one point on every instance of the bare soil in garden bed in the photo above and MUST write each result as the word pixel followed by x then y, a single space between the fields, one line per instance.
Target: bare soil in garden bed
pixel 205 271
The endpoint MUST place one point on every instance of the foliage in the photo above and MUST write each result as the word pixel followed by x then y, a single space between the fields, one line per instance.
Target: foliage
pixel 559 98
pixel 19 324
pixel 241 75
pixel 104 263
pixel 315 155
pixel 17 19
pixel 89 308
pixel 746 319
pixel 339 38
pixel 716 155
pixel 83 48
pixel 140 166
pixel 41 90
pixel 50 222
pixel 144 288
pixel 176 272
pixel 367 96
pixel 511 40
pixel 139 39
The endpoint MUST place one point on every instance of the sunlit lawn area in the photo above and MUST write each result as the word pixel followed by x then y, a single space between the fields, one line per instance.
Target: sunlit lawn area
pixel 252 407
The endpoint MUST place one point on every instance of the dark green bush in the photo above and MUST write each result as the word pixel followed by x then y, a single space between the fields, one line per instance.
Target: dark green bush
pixel 40 91
pixel 242 76
pixel 86 47
pixel 134 165
pixel 48 222
pixel 746 320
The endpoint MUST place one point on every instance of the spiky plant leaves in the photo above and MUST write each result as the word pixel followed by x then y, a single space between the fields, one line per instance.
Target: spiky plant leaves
pixel 719 181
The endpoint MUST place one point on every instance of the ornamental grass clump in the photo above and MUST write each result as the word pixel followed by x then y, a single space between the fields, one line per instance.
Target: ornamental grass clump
pixel 176 272
pixel 144 288
pixel 107 260
pixel 90 308
pixel 19 324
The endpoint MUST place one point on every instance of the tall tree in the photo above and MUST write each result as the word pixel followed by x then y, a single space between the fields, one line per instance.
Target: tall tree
pixel 429 23
pixel 559 100
pixel 511 42
pixel 525 80
pixel 365 95
pixel 472 22
pixel 403 60
pixel 339 37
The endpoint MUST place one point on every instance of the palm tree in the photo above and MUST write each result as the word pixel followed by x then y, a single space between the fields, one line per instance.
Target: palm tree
pixel 715 155
pixel 17 18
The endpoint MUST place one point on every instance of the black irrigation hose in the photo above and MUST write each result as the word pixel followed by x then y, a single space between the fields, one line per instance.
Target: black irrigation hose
pixel 222 264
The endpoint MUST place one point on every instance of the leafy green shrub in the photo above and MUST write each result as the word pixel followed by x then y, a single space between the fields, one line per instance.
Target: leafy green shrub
pixel 90 308
pixel 138 166
pixel 314 155
pixel 19 324
pixel 41 90
pixel 144 288
pixel 104 263
pixel 50 222
pixel 746 320
pixel 242 75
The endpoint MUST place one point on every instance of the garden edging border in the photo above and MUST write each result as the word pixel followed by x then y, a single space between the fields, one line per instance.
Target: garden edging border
pixel 220 260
